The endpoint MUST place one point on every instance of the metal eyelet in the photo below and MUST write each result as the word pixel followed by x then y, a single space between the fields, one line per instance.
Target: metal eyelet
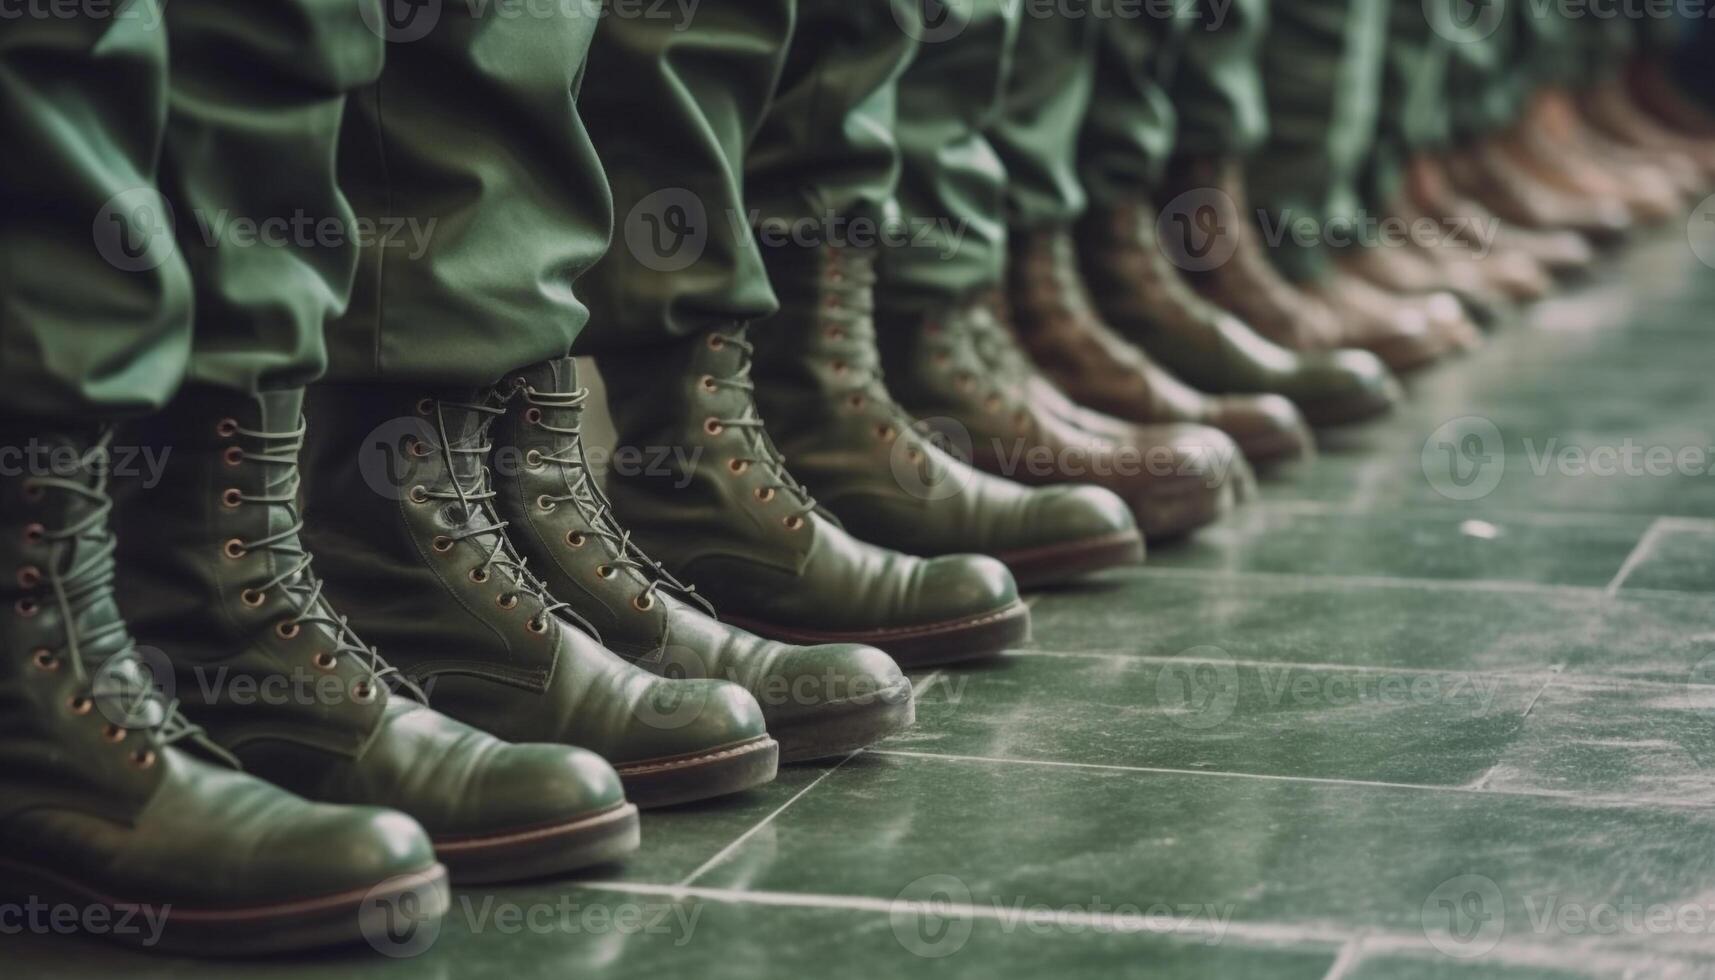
pixel 29 577
pixel 793 523
pixel 835 333
pixel 442 543
pixel 643 603
pixel 26 607
pixel 839 367
pixel 544 504
pixel 533 459
pixel 231 498
pixel 765 494
pixel 886 433
pixel 418 494
pixel 44 659
pixel 426 406
pixel 576 539
pixel 713 426
pixel 707 383
pixel 941 357
pixel 857 401
pixel 253 597
pixel 716 342
pixel 605 571
pixel 479 575
pixel 233 456
pixel 508 600
pixel 738 466
pixel 533 415
pixel 226 428
pixel 34 533
pixel 914 454
pixel 325 661
pixel 536 624
pixel 80 706
pixel 143 758
pixel 418 448
pixel 233 548
pixel 113 733
pixel 32 493
pixel 363 692
pixel 287 630
pixel 993 403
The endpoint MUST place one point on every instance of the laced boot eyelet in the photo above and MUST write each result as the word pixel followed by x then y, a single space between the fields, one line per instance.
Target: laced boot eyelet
pixel 26 608
pixel 287 630
pixel 418 448
pixel 716 342
pixel 29 577
pixel 226 428
pixel 857 401
pixel 738 466
pixel 576 539
pixel 44 659
pixel 143 758
pixel 886 433
pixel 363 692
pixel 506 601
pixel 479 575
pixel 231 498
pixel 941 357
pixel 418 494
pixel 544 504
pixel 643 603
pixel 233 548
pixel 839 367
pixel 835 334
pixel 325 661
pixel 533 459
pixel 764 494
pixel 253 597
pixel 707 383
pixel 533 415
pixel 442 544
pixel 536 624
pixel 604 571
pixel 914 454
pixel 793 523
pixel 426 406
pixel 34 533
pixel 113 733
pixel 232 456
pixel 80 706
pixel 32 493
pixel 713 426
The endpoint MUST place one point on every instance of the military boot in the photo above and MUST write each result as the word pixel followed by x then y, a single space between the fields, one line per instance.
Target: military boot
pixel 961 370
pixel 1407 333
pixel 818 701
pixel 212 570
pixel 818 375
pixel 1495 178
pixel 400 514
pixel 1057 324
pixel 1561 252
pixel 723 512
pixel 1143 296
pixel 111 800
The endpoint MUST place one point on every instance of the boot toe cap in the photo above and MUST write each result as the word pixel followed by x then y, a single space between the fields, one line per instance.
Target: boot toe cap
pixel 1267 428
pixel 691 717
pixel 524 786
pixel 958 586
pixel 1077 512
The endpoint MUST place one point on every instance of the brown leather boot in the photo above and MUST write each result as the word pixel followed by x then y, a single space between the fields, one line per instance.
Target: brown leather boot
pixel 1558 252
pixel 1629 131
pixel 1145 298
pixel 1551 140
pixel 1487 274
pixel 1247 283
pixel 1057 324
pixel 961 372
pixel 1405 332
pixel 1653 89
pixel 1409 269
pixel 1495 177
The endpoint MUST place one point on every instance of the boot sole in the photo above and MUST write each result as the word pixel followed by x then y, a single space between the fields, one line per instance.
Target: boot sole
pixel 842 727
pixel 929 645
pixel 1052 564
pixel 685 779
pixel 543 852
pixel 345 919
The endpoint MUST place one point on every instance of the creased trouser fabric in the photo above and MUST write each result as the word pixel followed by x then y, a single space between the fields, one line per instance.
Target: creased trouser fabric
pixel 469 157
pixel 1216 84
pixel 1044 100
pixel 167 145
pixel 1415 114
pixel 1129 130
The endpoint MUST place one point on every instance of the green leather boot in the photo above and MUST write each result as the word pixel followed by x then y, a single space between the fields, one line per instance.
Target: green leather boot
pixel 818 376
pixel 400 514
pixel 818 701
pixel 962 369
pixel 213 571
pixel 110 799
pixel 720 509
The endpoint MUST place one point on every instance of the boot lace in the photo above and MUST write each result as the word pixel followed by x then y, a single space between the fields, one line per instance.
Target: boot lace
pixel 763 452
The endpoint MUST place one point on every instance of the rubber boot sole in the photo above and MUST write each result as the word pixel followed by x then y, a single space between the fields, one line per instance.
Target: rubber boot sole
pixel 1059 562
pixel 928 645
pixel 543 852
pixel 653 783
pixel 388 914
pixel 841 727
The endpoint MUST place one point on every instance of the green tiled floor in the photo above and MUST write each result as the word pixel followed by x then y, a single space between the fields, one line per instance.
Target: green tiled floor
pixel 1364 730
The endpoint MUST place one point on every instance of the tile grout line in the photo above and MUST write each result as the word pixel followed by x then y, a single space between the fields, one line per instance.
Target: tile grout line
pixel 1543 794
pixel 1497 586
pixel 722 854
pixel 1553 672
pixel 1319 508
pixel 1350 954
pixel 1640 551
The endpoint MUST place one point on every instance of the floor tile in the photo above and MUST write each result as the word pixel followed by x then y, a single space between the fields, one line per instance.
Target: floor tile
pixel 1677 559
